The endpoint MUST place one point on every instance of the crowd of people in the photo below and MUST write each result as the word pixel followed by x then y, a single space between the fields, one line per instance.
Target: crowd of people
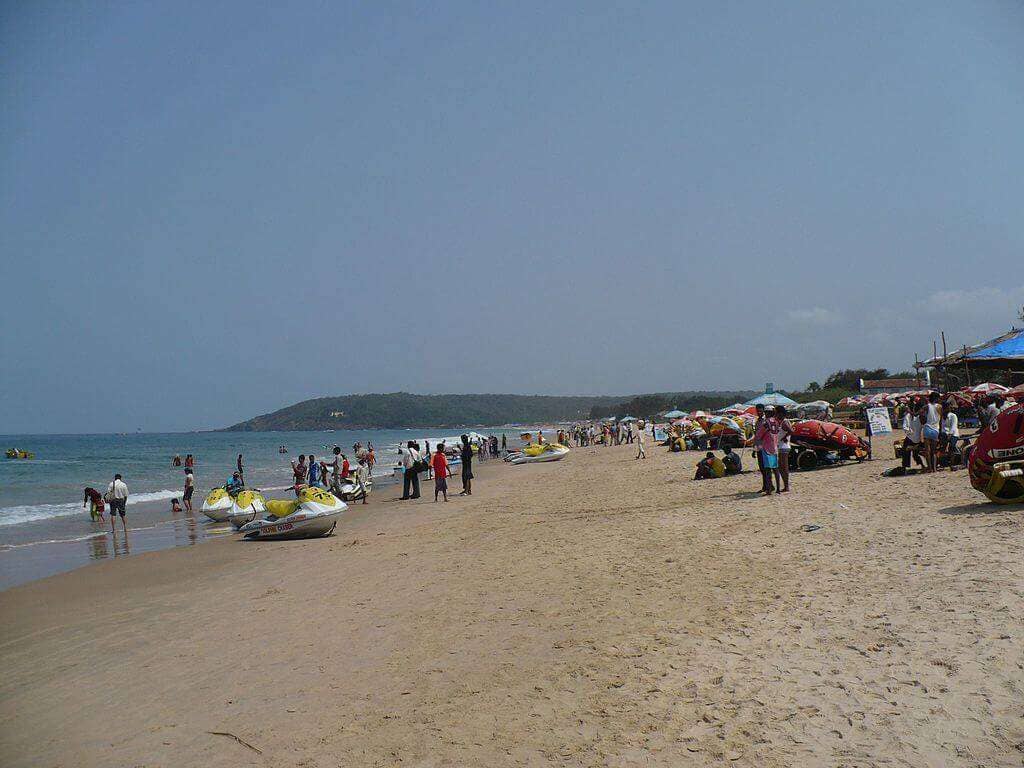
pixel 436 463
pixel 931 430
pixel 332 472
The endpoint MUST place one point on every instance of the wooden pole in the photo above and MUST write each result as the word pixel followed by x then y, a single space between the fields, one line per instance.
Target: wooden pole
pixel 945 371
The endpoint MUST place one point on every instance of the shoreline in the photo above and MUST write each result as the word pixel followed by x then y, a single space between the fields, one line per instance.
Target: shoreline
pixel 593 611
pixel 153 528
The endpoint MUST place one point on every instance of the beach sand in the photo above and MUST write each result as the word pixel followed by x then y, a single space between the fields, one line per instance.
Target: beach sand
pixel 592 612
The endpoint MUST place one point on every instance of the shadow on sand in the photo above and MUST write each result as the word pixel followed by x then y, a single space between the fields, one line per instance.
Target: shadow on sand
pixel 982 508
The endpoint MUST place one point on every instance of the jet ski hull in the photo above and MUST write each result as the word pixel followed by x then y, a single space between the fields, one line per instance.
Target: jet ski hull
pixel 313 514
pixel 555 455
pixel 247 506
pixel 296 526
pixel 217 505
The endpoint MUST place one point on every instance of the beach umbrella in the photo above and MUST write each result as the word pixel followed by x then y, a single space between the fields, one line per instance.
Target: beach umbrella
pixel 734 408
pixel 849 402
pixel 987 388
pixel 718 424
pixel 674 414
pixel 772 398
pixel 627 419
pixel 958 400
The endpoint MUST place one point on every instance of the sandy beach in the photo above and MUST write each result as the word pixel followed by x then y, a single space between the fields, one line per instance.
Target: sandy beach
pixel 597 611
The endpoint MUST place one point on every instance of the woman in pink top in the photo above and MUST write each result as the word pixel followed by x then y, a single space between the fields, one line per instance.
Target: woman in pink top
pixel 767 436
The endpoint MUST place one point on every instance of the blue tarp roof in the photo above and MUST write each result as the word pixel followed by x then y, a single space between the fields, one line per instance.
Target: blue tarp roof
pixel 1011 345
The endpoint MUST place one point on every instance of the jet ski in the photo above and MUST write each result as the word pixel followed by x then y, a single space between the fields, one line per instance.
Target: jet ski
pixel 350 490
pixel 217 505
pixel 535 453
pixel 314 513
pixel 247 506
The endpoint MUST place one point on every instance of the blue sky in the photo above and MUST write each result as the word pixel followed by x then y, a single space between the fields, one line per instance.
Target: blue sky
pixel 209 211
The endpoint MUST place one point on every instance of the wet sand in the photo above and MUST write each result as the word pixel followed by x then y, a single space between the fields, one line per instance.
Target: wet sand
pixel 594 611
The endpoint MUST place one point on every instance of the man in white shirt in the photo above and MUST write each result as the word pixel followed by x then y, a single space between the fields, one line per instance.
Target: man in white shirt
pixel 639 439
pixel 912 428
pixel 950 433
pixel 117 497
pixel 362 474
pixel 410 477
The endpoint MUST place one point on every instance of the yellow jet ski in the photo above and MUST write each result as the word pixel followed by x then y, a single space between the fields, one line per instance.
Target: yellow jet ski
pixel 538 452
pixel 247 506
pixel 313 514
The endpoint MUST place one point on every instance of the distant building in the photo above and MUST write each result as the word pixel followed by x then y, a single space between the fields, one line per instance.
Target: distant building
pixel 890 386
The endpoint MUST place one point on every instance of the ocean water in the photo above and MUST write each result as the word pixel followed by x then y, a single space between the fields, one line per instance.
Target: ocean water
pixel 51 484
pixel 44 528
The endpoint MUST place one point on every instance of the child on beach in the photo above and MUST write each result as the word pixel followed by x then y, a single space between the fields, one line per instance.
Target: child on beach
pixel 439 463
pixel 175 506
pixel 95 501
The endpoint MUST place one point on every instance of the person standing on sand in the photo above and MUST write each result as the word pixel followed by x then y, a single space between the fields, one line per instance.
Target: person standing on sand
pixel 504 444
pixel 430 464
pixel 117 494
pixel 639 440
pixel 767 436
pixel 951 434
pixel 190 487
pixel 360 473
pixel 912 427
pixel 95 501
pixel 467 467
pixel 313 471
pixel 299 471
pixel 785 432
pixel 931 418
pixel 759 408
pixel 440 466
pixel 410 475
pixel 337 466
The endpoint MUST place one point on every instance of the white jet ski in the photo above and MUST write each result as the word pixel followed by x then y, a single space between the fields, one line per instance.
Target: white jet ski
pixel 535 453
pixel 247 506
pixel 218 505
pixel 314 513
pixel 350 490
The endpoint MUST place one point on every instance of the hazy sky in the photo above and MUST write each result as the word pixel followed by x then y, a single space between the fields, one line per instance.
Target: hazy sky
pixel 211 210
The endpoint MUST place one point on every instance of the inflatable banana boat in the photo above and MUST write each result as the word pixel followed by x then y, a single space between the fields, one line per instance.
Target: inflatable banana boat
pixel 314 513
pixel 996 463
pixel 535 453
pixel 15 453
pixel 246 507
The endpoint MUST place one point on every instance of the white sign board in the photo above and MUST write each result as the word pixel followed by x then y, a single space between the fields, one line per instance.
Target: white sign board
pixel 878 421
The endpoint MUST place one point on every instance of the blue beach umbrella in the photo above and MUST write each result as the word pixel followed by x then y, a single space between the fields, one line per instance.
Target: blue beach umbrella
pixel 772 398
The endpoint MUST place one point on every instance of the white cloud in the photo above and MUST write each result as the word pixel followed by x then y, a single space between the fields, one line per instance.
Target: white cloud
pixel 813 316
pixel 1001 304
